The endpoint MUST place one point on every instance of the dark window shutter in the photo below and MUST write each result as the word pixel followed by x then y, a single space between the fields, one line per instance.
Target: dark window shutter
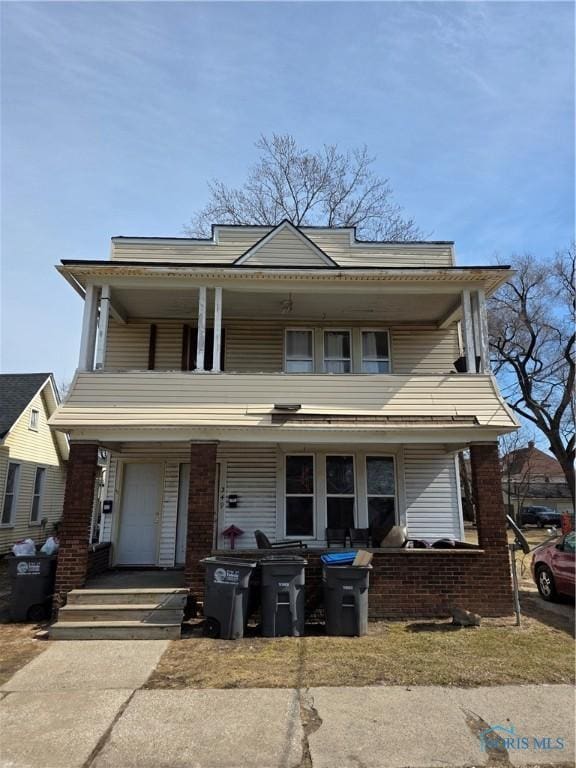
pixel 222 348
pixel 192 346
pixel 185 342
pixel 209 349
pixel 152 348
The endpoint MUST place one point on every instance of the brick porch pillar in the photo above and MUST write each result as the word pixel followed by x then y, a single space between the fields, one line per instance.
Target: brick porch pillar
pixel 74 532
pixel 201 512
pixel 491 523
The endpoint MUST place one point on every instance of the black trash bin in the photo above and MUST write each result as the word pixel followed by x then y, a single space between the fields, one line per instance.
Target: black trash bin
pixel 32 579
pixel 346 599
pixel 226 596
pixel 282 595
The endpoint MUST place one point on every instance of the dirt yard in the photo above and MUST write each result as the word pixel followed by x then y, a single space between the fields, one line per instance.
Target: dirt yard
pixel 17 643
pixel 393 653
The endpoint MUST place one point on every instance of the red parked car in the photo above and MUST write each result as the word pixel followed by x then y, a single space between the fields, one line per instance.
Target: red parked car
pixel 553 567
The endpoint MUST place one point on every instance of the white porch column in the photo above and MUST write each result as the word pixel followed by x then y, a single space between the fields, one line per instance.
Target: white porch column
pixel 468 332
pixel 201 339
pixel 217 330
pixel 103 326
pixel 88 336
pixel 484 349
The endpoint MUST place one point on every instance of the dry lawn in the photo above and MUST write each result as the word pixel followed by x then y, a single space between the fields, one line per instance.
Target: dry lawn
pixel 394 653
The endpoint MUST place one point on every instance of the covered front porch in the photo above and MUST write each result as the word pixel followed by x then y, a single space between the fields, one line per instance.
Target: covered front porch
pixel 168 505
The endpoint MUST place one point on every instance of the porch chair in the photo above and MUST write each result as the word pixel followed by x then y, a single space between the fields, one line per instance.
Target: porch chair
pixel 263 542
pixel 359 537
pixel 336 537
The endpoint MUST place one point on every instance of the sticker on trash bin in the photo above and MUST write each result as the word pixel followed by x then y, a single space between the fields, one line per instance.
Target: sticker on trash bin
pixel 226 576
pixel 28 569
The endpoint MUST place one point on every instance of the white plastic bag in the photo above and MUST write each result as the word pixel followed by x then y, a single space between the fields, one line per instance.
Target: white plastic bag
pixel 24 548
pixel 50 546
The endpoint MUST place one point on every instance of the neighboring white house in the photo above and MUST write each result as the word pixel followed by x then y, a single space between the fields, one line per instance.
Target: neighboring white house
pixel 32 458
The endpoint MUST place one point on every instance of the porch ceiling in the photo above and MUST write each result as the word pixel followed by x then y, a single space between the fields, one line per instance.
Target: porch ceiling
pixel 394 308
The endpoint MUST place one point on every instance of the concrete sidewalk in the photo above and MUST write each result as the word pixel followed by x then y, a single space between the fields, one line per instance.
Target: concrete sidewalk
pixel 81 705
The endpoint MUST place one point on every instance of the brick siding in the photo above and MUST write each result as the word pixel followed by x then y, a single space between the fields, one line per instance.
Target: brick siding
pixel 201 512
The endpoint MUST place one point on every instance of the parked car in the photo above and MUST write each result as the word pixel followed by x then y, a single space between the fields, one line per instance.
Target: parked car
pixel 553 567
pixel 540 516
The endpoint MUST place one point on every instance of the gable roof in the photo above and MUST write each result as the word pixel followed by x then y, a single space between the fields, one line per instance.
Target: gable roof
pixel 531 461
pixel 315 256
pixel 16 391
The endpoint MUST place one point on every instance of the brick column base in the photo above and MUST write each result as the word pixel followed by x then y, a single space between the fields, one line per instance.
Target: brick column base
pixel 491 524
pixel 76 518
pixel 201 513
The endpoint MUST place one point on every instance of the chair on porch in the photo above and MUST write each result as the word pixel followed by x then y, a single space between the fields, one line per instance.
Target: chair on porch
pixel 263 542
pixel 336 537
pixel 359 537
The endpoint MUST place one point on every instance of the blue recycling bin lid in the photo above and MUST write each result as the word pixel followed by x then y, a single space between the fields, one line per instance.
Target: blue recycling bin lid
pixel 338 558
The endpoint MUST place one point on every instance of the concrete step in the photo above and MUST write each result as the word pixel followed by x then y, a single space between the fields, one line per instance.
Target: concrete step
pixel 168 598
pixel 111 612
pixel 113 630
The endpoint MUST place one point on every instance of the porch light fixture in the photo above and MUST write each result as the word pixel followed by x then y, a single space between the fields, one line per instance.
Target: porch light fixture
pixel 287 407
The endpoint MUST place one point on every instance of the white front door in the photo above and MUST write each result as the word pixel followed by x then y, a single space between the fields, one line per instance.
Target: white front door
pixel 139 514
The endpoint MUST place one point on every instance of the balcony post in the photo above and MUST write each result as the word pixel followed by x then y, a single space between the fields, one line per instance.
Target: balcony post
pixel 468 332
pixel 201 339
pixel 103 326
pixel 484 349
pixel 217 330
pixel 88 336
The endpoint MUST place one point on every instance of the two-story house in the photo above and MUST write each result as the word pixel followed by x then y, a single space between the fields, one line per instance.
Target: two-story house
pixel 287 380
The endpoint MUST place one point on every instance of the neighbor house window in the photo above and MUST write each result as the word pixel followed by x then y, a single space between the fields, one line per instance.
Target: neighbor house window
pixel 299 351
pixel 340 491
pixel 381 491
pixel 34 419
pixel 299 496
pixel 10 494
pixel 337 358
pixel 38 494
pixel 375 352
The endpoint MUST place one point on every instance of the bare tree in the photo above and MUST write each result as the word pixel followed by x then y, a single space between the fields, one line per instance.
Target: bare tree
pixel 531 323
pixel 322 188
pixel 516 469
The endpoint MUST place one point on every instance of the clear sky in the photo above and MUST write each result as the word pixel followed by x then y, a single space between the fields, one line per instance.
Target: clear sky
pixel 115 115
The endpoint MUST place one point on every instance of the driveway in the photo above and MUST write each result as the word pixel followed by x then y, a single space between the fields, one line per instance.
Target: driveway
pixel 81 705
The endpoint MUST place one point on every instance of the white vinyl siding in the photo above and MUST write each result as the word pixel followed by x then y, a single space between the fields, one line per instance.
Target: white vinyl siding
pixel 257 346
pixel 285 247
pixel 432 497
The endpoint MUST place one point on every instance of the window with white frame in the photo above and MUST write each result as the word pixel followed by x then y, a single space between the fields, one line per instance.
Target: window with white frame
pixel 38 495
pixel 381 491
pixel 299 495
pixel 10 494
pixel 375 352
pixel 337 352
pixel 34 419
pixel 299 351
pixel 340 492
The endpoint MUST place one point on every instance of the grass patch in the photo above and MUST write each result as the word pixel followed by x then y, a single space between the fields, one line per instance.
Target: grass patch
pixel 394 653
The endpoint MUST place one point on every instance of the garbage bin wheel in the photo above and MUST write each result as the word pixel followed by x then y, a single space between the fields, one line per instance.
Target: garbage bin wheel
pixel 37 612
pixel 211 627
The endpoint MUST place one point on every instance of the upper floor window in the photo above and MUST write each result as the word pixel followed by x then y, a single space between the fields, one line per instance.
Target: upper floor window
pixel 299 351
pixel 34 419
pixel 375 352
pixel 10 494
pixel 337 352
pixel 38 494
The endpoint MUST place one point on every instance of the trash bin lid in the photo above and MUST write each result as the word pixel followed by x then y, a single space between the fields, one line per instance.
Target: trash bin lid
pixel 271 559
pixel 338 558
pixel 235 562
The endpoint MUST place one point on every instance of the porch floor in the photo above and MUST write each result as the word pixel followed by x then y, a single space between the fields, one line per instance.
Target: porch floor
pixel 137 579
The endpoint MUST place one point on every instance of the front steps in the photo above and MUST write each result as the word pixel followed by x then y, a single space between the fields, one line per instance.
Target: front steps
pixel 121 614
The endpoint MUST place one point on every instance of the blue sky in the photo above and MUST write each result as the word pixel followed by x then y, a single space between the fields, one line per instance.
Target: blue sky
pixel 115 115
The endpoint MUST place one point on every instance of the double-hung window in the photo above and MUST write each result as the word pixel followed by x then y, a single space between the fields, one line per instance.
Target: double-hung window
pixel 34 419
pixel 381 491
pixel 10 494
pixel 38 495
pixel 337 352
pixel 299 495
pixel 375 352
pixel 340 491
pixel 299 351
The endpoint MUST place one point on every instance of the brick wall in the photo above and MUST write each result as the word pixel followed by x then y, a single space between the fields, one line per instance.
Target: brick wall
pixel 201 512
pixel 98 559
pixel 76 517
